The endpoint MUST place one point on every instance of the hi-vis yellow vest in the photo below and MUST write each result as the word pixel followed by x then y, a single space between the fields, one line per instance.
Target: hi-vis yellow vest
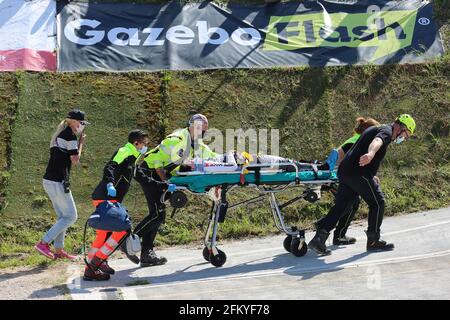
pixel 174 149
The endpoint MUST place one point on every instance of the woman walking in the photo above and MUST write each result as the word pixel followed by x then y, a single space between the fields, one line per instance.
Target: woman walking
pixel 65 151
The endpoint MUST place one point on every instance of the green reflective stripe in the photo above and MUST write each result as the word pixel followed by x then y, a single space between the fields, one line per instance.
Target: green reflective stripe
pixel 351 140
pixel 128 150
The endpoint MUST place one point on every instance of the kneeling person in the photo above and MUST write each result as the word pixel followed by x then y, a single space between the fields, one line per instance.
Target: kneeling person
pixel 117 177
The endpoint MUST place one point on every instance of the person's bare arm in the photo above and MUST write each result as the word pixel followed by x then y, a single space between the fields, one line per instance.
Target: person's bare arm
pixel 76 158
pixel 162 174
pixel 374 146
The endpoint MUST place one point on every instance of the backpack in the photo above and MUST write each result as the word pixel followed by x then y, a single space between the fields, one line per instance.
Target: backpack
pixel 110 216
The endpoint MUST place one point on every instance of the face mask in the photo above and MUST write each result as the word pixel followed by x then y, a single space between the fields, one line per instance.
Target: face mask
pixel 399 139
pixel 143 150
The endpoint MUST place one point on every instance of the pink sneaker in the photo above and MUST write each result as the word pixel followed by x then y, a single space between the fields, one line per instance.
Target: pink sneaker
pixel 64 255
pixel 44 249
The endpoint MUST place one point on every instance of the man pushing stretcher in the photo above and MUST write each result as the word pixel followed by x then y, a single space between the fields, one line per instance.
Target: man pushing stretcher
pixel 153 171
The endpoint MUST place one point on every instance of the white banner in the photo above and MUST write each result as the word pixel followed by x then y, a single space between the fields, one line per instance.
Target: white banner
pixel 27 35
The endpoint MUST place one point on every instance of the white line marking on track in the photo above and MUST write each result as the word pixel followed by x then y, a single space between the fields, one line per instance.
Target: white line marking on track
pixel 412 229
pixel 295 271
pixel 252 252
pixel 73 282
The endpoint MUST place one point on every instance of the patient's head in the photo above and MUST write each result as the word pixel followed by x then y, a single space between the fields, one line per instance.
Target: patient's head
pixel 242 157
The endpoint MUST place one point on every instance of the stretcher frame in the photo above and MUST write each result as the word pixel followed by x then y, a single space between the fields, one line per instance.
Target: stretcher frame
pixel 295 237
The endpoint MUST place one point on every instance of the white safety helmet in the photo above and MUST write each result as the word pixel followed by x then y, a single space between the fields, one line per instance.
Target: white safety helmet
pixel 198 117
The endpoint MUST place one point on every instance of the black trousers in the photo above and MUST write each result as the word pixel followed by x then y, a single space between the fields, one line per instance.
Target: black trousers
pixel 346 219
pixel 147 229
pixel 350 187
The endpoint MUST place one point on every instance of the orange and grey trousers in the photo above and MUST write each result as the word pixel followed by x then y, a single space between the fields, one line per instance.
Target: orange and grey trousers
pixel 105 241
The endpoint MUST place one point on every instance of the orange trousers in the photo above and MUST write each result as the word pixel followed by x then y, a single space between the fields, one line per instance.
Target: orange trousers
pixel 105 241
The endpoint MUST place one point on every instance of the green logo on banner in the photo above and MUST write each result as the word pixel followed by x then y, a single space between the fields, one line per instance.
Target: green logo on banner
pixel 388 31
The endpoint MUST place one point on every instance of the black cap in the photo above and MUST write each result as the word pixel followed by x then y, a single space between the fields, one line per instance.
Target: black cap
pixel 76 114
pixel 137 135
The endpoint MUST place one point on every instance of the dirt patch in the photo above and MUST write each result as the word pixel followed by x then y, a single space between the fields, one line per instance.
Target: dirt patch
pixel 34 283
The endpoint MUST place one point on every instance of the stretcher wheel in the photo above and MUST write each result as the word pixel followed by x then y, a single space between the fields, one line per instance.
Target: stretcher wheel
pixel 296 250
pixel 206 253
pixel 287 243
pixel 219 259
pixel 311 196
pixel 178 199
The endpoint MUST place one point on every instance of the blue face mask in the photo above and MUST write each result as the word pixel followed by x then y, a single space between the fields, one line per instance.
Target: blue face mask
pixel 143 150
pixel 399 139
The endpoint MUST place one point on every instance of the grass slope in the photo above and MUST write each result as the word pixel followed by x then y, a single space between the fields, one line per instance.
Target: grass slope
pixel 313 108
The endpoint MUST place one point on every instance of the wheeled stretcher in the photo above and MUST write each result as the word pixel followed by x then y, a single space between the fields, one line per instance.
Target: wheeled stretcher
pixel 268 180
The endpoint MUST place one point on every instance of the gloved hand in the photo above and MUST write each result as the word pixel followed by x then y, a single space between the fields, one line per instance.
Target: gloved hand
pixel 111 190
pixel 171 187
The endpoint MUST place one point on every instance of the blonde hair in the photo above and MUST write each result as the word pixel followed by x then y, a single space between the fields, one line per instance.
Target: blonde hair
pixel 60 128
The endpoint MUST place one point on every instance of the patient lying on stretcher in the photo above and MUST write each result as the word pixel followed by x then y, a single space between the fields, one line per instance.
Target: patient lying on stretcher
pixel 234 161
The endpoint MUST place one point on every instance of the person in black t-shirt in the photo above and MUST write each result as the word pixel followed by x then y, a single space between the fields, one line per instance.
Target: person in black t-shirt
pixel 340 237
pixel 356 175
pixel 65 151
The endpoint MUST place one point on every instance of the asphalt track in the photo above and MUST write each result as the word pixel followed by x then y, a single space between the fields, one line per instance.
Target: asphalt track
pixel 418 268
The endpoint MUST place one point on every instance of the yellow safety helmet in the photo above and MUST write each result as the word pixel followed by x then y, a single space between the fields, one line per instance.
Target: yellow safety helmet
pixel 408 121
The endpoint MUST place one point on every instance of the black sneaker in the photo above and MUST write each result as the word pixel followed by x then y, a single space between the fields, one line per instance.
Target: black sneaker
pixel 345 240
pixel 375 244
pixel 379 245
pixel 95 275
pixel 149 258
pixel 317 244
